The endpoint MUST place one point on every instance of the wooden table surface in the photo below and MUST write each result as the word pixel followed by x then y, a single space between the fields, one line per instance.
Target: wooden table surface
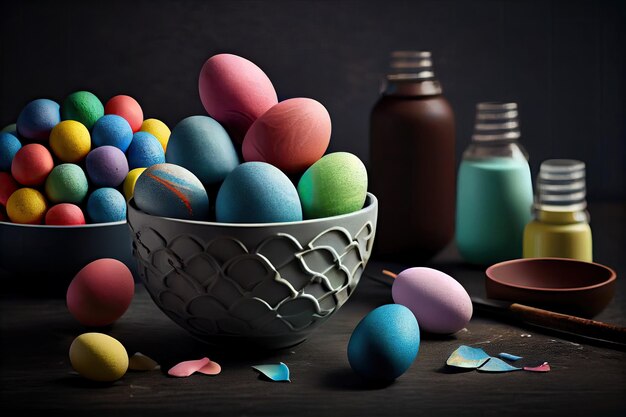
pixel 586 380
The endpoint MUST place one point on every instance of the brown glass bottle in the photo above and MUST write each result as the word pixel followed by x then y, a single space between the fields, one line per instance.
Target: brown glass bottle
pixel 412 165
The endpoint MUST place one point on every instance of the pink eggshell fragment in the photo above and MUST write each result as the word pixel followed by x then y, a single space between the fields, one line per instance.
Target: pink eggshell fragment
pixel 187 368
pixel 292 135
pixel 439 302
pixel 235 92
pixel 211 368
pixel 544 367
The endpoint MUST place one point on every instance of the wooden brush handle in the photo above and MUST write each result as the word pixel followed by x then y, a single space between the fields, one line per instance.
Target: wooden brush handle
pixel 571 324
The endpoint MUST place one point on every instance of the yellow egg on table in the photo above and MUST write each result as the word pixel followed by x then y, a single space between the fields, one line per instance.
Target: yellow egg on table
pixel 130 181
pixel 158 129
pixel 70 141
pixel 26 206
pixel 98 357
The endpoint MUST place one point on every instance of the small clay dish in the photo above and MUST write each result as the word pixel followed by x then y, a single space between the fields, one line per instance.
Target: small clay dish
pixel 563 285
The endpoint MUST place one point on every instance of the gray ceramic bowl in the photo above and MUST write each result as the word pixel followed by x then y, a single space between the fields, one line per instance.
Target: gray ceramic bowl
pixel 46 258
pixel 268 285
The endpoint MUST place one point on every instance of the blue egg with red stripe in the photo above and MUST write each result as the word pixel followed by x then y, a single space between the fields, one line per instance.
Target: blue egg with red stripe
pixel 170 190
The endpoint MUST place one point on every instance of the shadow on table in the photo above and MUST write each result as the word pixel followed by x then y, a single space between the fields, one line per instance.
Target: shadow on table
pixel 346 379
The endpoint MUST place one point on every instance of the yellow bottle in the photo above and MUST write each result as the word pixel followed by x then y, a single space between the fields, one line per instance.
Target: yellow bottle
pixel 561 223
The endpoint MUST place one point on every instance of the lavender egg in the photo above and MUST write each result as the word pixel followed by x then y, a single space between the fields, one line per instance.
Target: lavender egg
pixel 106 166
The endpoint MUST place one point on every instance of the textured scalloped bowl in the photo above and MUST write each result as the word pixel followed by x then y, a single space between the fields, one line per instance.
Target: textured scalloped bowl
pixel 269 285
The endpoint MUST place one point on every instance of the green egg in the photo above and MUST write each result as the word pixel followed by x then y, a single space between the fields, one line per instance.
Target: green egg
pixel 67 183
pixel 336 184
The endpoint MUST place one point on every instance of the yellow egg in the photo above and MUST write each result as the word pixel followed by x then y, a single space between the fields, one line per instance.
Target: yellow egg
pixel 26 206
pixel 70 141
pixel 98 357
pixel 130 181
pixel 158 129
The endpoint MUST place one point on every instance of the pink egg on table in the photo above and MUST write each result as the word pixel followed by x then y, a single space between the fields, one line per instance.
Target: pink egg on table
pixel 65 214
pixel 292 135
pixel 235 92
pixel 100 292
pixel 7 186
pixel 440 304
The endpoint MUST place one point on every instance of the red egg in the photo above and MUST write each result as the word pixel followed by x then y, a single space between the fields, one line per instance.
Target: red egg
pixel 7 186
pixel 128 108
pixel 101 292
pixel 32 164
pixel 292 135
pixel 65 214
pixel 235 92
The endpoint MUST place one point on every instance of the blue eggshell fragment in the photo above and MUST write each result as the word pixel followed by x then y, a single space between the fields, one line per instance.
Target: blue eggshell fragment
pixel 257 192
pixel 385 343
pixel 497 365
pixel 509 356
pixel 467 357
pixel 275 372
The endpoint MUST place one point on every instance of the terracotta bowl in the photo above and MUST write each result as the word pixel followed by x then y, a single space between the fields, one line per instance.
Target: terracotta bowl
pixel 566 286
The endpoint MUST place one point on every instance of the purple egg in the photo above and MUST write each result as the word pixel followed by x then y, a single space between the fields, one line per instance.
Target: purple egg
pixel 106 166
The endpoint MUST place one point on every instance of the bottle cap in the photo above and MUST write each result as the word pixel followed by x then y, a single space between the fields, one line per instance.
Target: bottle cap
pixel 561 185
pixel 496 121
pixel 411 65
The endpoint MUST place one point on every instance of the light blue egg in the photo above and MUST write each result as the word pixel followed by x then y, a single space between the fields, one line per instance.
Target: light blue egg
pixel 9 145
pixel 257 192
pixel 201 144
pixel 144 151
pixel 106 205
pixel 112 130
pixel 385 343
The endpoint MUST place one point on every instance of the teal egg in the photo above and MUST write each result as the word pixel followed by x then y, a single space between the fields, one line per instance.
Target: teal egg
pixel 335 184
pixel 257 192
pixel 67 183
pixel 385 343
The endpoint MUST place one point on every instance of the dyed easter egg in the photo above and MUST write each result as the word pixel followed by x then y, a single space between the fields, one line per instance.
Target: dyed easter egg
pixel 385 343
pixel 70 141
pixel 7 187
pixel 292 135
pixel 82 106
pixel 98 357
pixel 65 214
pixel 131 181
pixel 128 108
pixel 10 128
pixel 336 184
pixel 158 129
pixel 67 183
pixel 257 192
pixel 100 292
pixel 144 151
pixel 106 166
pixel 112 130
pixel 235 92
pixel 26 206
pixel 201 145
pixel 37 119
pixel 106 205
pixel 32 164
pixel 439 302
pixel 170 190
pixel 9 145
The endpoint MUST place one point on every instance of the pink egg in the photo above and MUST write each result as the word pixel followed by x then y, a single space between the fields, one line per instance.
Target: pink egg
pixel 440 304
pixel 235 92
pixel 292 135
pixel 65 214
pixel 101 292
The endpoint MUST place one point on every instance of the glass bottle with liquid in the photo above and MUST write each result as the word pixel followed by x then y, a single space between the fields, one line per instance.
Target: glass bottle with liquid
pixel 412 163
pixel 560 227
pixel 494 188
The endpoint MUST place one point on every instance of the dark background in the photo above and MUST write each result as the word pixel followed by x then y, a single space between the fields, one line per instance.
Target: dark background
pixel 563 62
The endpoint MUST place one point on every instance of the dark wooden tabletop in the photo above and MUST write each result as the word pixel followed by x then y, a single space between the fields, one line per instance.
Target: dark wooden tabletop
pixel 586 379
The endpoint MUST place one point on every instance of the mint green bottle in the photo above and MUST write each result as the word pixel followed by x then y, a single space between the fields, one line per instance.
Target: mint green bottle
pixel 494 188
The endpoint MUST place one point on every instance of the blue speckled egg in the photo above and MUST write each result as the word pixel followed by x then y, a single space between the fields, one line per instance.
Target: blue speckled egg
pixel 200 144
pixel 385 343
pixel 112 130
pixel 257 192
pixel 144 151
pixel 106 205
pixel 9 145
pixel 169 190
pixel 37 119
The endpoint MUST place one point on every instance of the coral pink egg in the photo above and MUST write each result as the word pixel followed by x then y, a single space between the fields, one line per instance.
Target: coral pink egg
pixel 7 186
pixel 32 164
pixel 235 92
pixel 128 108
pixel 65 214
pixel 292 135
pixel 101 292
